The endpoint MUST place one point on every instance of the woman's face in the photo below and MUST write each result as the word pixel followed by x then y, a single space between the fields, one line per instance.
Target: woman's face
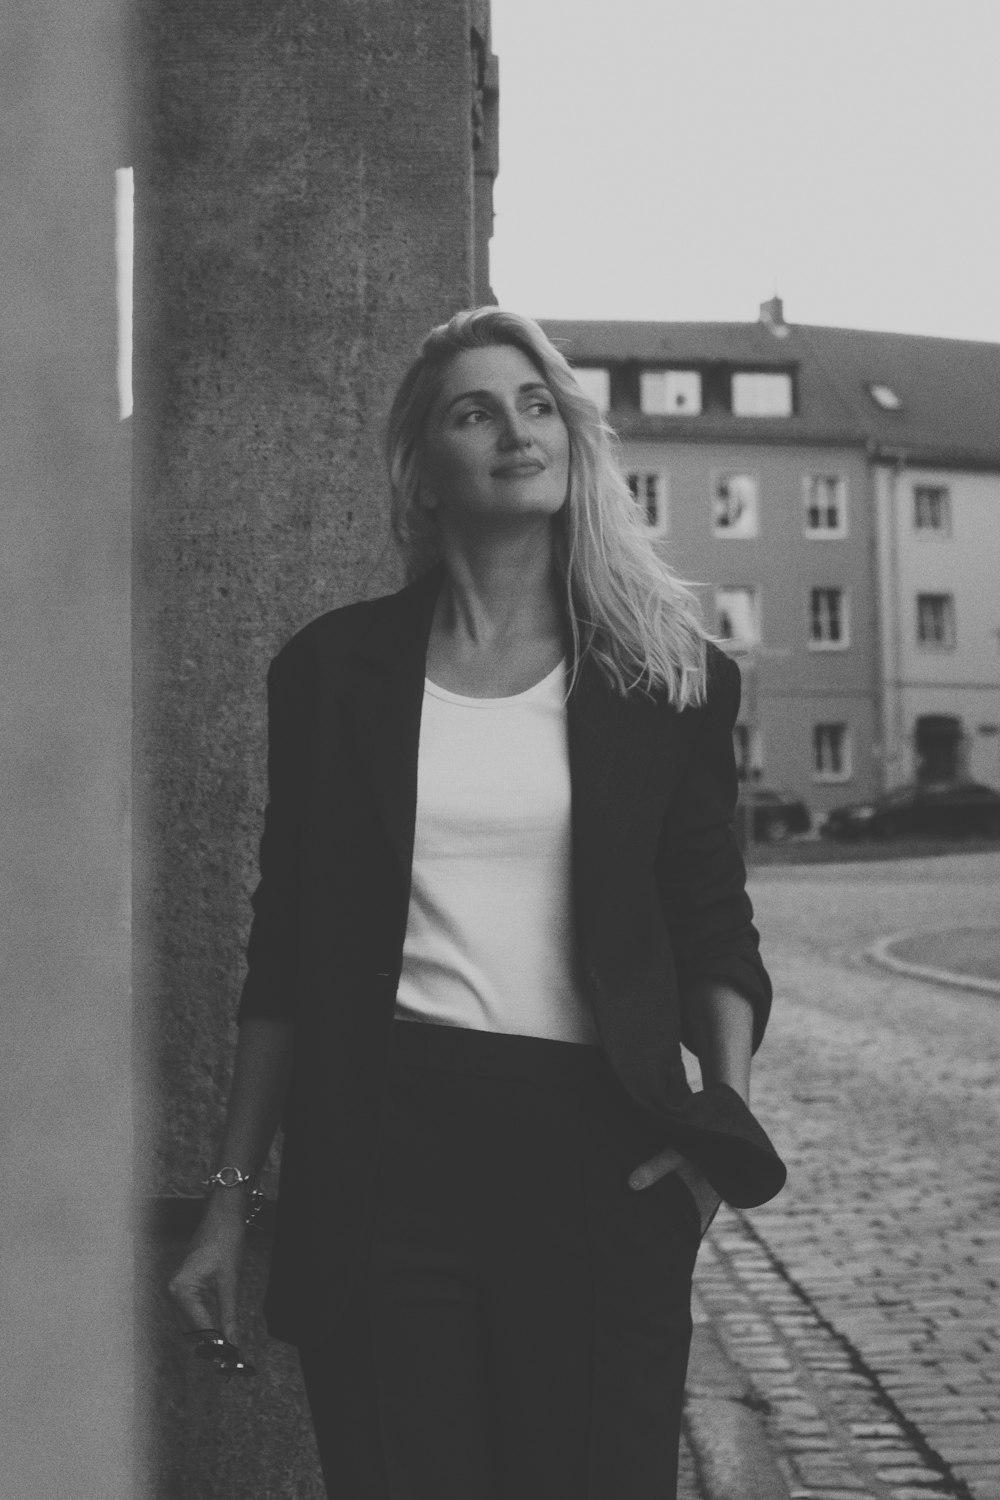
pixel 496 446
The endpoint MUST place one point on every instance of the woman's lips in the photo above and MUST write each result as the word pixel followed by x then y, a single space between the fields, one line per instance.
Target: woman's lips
pixel 511 471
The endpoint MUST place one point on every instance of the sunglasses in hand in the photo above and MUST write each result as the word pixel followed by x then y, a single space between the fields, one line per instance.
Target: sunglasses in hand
pixel 225 1358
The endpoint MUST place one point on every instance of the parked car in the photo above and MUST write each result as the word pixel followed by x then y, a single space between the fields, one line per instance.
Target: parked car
pixel 775 814
pixel 945 810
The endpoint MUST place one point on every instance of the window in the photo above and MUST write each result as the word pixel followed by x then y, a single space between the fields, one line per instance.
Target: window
pixel 670 393
pixel 936 621
pixel 596 383
pixel 831 752
pixel 932 510
pixel 828 620
pixel 741 750
pixel 885 396
pixel 824 503
pixel 748 750
pixel 649 490
pixel 738 617
pixel 734 505
pixel 756 394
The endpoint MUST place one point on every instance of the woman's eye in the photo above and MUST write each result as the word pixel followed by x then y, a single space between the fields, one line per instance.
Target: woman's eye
pixel 473 416
pixel 542 408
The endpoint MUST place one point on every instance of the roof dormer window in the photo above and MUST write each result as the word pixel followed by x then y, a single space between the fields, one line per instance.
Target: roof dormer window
pixel 762 393
pixel 670 393
pixel 884 396
pixel 595 381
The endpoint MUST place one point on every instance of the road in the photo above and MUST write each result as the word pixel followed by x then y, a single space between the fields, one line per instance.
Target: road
pixel 882 1256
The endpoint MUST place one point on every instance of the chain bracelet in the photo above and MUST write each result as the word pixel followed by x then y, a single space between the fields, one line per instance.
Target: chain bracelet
pixel 231 1177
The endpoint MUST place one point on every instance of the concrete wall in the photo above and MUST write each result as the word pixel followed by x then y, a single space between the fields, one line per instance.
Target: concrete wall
pixel 65 1244
pixel 788 687
pixel 305 211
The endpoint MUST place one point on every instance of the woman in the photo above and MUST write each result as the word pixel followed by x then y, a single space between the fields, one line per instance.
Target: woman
pixel 498 889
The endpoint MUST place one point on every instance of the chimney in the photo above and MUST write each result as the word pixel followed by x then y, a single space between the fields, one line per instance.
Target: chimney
pixel 772 315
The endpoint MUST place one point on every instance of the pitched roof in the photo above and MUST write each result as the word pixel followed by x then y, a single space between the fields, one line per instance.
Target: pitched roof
pixel 949 389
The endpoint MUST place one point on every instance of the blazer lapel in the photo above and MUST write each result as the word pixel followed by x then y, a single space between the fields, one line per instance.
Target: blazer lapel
pixel 624 752
pixel 624 755
pixel 384 701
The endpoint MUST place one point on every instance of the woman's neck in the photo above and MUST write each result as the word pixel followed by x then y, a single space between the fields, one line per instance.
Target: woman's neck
pixel 505 592
pixel 498 626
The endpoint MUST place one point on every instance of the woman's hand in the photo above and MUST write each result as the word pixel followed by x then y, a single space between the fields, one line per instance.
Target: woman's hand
pixel 668 1160
pixel 206 1283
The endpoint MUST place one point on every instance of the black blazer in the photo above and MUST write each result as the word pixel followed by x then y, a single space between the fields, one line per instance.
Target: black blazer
pixel 658 894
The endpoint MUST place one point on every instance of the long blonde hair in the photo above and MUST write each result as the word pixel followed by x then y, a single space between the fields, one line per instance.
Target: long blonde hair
pixel 627 609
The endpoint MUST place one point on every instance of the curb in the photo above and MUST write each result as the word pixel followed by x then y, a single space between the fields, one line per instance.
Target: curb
pixel 726 1433
pixel 881 953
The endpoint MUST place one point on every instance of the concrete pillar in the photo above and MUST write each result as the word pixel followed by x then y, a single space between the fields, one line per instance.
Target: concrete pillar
pixel 65 1244
pixel 304 212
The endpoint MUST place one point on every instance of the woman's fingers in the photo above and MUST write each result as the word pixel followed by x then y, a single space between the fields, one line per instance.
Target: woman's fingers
pixel 205 1286
pixel 702 1192
pixel 656 1167
pixel 669 1160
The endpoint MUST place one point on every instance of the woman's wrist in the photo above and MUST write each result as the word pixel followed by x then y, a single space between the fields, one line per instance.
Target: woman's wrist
pixel 233 1194
pixel 225 1207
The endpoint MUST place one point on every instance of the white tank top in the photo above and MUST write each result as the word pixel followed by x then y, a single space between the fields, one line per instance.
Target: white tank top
pixel 489 940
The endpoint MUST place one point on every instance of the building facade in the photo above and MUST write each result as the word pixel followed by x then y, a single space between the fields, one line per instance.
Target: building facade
pixel 768 464
pixel 755 484
pixel 931 411
pixel 940 618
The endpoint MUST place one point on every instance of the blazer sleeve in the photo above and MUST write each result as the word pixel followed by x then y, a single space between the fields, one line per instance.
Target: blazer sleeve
pixel 701 876
pixel 270 984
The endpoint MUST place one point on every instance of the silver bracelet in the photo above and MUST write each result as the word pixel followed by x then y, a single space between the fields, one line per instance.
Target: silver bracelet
pixel 231 1177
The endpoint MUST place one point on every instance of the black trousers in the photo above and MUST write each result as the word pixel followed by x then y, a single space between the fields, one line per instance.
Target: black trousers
pixel 524 1328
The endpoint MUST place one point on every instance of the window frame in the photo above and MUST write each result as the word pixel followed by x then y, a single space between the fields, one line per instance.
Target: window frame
pixel 932 533
pixel 732 643
pixel 751 768
pixel 605 370
pixel 951 621
pixel 825 533
pixel 664 373
pixel 833 778
pixel 844 643
pixel 726 533
pixel 661 527
pixel 752 374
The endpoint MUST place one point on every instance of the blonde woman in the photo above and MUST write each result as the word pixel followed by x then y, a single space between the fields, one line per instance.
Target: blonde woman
pixel 499 890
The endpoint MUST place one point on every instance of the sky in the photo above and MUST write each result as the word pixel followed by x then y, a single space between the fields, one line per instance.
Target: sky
pixel 686 159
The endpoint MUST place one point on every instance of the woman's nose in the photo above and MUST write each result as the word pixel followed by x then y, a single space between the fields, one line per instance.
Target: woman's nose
pixel 514 430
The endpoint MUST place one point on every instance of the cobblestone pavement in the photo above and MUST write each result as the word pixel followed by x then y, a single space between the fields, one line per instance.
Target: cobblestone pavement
pixel 865 1301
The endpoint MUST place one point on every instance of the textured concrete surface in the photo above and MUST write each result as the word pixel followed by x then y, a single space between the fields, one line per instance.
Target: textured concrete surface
pixel 64 728
pixel 305 211
pixel 209 1437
